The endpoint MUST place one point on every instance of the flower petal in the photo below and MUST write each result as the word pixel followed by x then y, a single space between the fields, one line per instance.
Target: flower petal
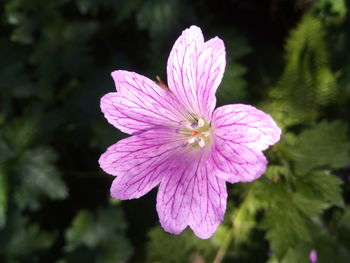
pixel 139 104
pixel 191 195
pixel 241 133
pixel 139 162
pixel 235 162
pixel 246 125
pixel 195 69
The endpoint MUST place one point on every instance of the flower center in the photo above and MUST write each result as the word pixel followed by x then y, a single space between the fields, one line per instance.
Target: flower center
pixel 198 133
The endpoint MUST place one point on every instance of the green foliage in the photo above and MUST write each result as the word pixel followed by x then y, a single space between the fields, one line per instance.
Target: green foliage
pixel 336 9
pixel 321 186
pixel 298 192
pixel 344 222
pixel 307 82
pixel 3 197
pixel 39 178
pixel 244 216
pixel 159 16
pixel 104 233
pixel 299 254
pixel 164 247
pixel 291 205
pixel 324 145
pixel 21 240
pixel 233 86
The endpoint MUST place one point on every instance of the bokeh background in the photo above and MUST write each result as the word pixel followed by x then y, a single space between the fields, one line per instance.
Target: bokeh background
pixel 289 58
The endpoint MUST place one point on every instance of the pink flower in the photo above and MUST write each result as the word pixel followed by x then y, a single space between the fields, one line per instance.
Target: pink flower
pixel 313 256
pixel 179 142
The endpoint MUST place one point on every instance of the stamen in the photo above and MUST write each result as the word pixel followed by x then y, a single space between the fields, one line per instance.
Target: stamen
pixel 191 140
pixel 189 125
pixel 194 125
pixel 196 132
pixel 201 123
pixel 201 142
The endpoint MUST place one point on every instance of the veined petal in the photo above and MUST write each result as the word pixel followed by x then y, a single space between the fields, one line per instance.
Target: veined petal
pixel 245 125
pixel 235 162
pixel 242 132
pixel 139 162
pixel 191 195
pixel 139 104
pixel 195 69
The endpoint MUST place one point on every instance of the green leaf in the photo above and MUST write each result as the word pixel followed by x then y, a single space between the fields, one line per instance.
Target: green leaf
pixel 164 247
pixel 287 215
pixel 30 239
pixel 40 178
pixel 160 17
pixel 244 217
pixel 22 239
pixel 345 219
pixel 285 226
pixel 307 82
pixel 331 249
pixel 233 86
pixel 299 254
pixel 122 8
pixel 15 82
pixel 103 232
pixel 325 145
pixel 3 196
pixel 275 172
pixel 321 186
pixel 125 8
pixel 80 231
pixel 18 136
pixel 311 207
pixel 116 249
pixel 332 9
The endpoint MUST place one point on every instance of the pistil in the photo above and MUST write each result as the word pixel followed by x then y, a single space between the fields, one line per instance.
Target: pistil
pixel 199 133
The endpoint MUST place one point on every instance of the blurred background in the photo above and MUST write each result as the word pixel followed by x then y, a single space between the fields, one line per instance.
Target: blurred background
pixel 289 58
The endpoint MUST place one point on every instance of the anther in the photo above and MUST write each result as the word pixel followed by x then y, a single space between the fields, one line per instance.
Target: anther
pixel 191 140
pixel 201 123
pixel 194 125
pixel 201 142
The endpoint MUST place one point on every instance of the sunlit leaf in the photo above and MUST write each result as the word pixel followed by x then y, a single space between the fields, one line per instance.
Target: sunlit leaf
pixel 39 178
pixel 325 145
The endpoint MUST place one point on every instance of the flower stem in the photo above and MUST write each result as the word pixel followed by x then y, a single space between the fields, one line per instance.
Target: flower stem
pixel 223 248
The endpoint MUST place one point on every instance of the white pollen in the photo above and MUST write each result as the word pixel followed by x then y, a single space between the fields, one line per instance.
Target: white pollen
pixel 201 123
pixel 201 143
pixel 191 140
